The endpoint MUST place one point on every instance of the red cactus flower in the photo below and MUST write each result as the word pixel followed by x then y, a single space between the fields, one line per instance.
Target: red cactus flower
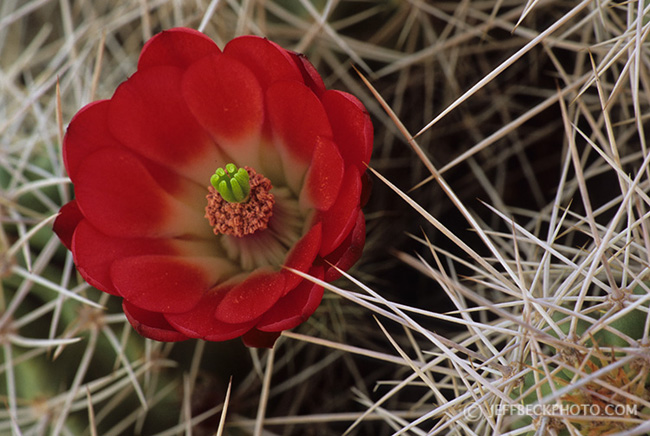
pixel 287 160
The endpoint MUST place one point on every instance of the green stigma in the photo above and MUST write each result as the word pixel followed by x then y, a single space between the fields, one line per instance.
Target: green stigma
pixel 231 183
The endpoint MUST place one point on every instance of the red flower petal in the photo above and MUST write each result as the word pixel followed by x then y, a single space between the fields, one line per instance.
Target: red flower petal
pixel 298 121
pixel 298 118
pixel 226 98
pixel 94 253
pixel 257 339
pixel 167 284
pixel 177 47
pixel 295 307
pixel 266 60
pixel 351 125
pixel 309 74
pixel 349 252
pixel 324 177
pixel 341 217
pixel 302 255
pixel 149 116
pixel 87 133
pixel 151 325
pixel 201 323
pixel 66 222
pixel 250 299
pixel 117 195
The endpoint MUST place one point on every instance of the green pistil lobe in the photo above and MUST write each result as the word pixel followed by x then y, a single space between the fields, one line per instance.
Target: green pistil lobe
pixel 231 183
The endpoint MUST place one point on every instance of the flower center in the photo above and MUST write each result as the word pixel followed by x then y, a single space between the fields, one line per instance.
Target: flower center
pixel 239 201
